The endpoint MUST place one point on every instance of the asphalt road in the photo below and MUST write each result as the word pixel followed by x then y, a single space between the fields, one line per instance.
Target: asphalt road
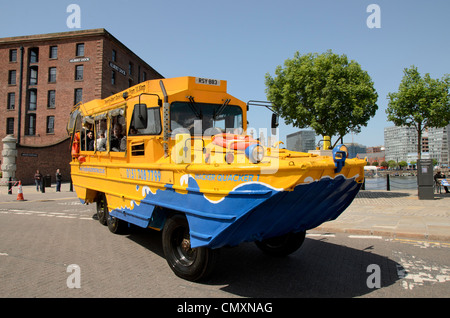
pixel 42 240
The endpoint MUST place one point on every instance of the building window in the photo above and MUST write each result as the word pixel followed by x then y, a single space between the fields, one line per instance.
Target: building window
pixel 78 95
pixel 30 128
pixel 11 101
pixel 53 52
pixel 52 75
pixel 80 49
pixel 10 126
pixel 50 124
pixel 144 76
pixel 51 99
pixel 33 75
pixel 113 78
pixel 32 99
pixel 34 55
pixel 13 55
pixel 114 55
pixel 12 77
pixel 130 68
pixel 79 72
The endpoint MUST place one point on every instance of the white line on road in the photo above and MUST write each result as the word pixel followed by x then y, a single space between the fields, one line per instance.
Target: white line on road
pixel 365 237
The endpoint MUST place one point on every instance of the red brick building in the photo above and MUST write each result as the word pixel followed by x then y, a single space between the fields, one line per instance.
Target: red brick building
pixel 43 76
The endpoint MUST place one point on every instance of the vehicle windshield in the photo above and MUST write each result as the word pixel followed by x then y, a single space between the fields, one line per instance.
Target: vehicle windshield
pixel 207 119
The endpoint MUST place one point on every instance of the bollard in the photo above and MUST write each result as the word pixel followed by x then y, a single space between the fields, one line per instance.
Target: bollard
pixel 10 185
pixel 388 184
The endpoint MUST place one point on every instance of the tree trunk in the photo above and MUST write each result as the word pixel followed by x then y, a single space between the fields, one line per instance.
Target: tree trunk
pixel 419 141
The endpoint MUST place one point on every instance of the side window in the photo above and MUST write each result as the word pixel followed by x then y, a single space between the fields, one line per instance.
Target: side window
pixel 87 134
pixel 153 123
pixel 101 133
pixel 118 140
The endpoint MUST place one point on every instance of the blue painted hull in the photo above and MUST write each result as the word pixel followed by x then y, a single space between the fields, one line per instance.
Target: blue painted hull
pixel 253 211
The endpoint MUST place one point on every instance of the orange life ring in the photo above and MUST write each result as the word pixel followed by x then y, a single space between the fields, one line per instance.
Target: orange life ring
pixel 76 145
pixel 233 141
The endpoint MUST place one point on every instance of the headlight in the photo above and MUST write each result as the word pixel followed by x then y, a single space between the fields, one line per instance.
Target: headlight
pixel 255 153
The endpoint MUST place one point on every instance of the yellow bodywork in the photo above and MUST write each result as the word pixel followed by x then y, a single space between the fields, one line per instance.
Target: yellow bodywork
pixel 147 166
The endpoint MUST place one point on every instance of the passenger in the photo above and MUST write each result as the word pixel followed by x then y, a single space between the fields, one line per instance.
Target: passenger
pixel 101 142
pixel 90 141
pixel 118 140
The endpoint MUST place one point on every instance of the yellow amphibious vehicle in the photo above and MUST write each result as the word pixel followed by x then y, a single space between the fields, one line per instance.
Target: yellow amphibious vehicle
pixel 173 155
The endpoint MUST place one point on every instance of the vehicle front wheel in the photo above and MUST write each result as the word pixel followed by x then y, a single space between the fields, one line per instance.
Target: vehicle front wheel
pixel 188 263
pixel 282 245
pixel 102 208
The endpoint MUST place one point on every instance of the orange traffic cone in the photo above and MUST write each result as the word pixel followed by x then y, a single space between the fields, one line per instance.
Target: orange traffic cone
pixel 20 193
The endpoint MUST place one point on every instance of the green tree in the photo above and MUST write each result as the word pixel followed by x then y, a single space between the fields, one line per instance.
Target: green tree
pixel 392 164
pixel 325 92
pixel 421 102
pixel 384 164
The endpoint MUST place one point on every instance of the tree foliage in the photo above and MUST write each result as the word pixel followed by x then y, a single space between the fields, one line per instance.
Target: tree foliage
pixel 325 92
pixel 421 102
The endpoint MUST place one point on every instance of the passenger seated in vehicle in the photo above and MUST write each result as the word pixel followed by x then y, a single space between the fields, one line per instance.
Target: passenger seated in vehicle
pixel 118 140
pixel 101 142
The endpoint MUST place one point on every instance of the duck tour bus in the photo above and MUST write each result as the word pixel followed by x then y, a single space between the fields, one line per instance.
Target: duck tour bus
pixel 173 155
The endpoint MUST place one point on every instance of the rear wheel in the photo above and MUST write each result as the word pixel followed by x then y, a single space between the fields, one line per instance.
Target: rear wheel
pixel 102 208
pixel 188 263
pixel 116 225
pixel 282 245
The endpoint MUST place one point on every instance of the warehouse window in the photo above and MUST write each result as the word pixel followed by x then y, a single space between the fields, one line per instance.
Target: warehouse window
pixel 33 75
pixel 79 72
pixel 50 124
pixel 51 99
pixel 53 52
pixel 52 75
pixel 13 55
pixel 9 126
pixel 30 125
pixel 11 101
pixel 34 55
pixel 78 95
pixel 32 99
pixel 12 77
pixel 80 49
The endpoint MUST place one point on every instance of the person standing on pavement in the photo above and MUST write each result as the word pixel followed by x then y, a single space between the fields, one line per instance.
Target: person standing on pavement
pixel 58 180
pixel 38 180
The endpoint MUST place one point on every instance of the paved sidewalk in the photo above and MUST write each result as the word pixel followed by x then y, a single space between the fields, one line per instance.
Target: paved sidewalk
pixel 397 213
pixel 373 212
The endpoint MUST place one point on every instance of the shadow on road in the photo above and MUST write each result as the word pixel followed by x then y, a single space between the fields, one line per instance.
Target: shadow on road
pixel 317 269
pixel 367 194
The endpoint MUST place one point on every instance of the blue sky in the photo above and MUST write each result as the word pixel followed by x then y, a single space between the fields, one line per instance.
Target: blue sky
pixel 242 40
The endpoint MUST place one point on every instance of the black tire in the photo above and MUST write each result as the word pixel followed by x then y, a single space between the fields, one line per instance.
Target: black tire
pixel 282 245
pixel 102 208
pixel 116 225
pixel 190 264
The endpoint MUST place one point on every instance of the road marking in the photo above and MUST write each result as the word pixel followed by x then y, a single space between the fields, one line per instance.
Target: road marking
pixel 365 237
pixel 320 235
pixel 3 254
pixel 416 272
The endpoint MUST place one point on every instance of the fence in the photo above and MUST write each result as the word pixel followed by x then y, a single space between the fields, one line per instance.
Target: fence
pixel 389 183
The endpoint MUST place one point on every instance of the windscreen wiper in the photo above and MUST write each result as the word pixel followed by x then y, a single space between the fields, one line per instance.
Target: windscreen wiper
pixel 221 108
pixel 195 109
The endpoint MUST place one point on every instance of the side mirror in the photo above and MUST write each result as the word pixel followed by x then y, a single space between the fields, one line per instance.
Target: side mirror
pixel 139 120
pixel 274 123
